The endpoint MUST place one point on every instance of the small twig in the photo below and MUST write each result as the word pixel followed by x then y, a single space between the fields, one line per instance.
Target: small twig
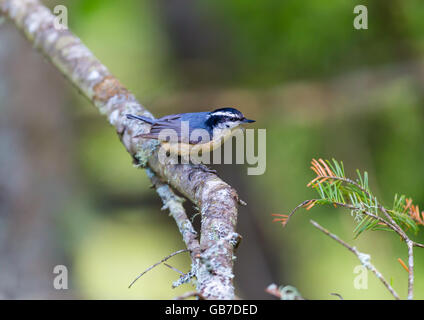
pixel 175 269
pixel 156 264
pixel 419 245
pixel 337 295
pixel 297 208
pixel 394 225
pixel 380 219
pixel 363 258
pixel 410 245
pixel 191 294
pixel 184 278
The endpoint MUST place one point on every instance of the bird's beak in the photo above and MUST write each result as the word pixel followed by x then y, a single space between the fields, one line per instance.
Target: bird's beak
pixel 248 121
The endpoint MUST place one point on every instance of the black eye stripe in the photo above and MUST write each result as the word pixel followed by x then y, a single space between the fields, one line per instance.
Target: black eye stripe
pixel 216 119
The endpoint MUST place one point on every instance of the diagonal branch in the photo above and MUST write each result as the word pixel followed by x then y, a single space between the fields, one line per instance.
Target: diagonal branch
pixel 216 200
pixel 363 258
pixel 389 223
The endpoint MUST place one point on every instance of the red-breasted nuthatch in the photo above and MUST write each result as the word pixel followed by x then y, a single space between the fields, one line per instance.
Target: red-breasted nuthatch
pixel 205 131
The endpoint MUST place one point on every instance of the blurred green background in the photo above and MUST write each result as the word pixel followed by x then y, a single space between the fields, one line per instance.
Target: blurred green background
pixel 320 87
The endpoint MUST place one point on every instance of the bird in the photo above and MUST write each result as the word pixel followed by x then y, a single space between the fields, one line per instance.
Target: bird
pixel 206 130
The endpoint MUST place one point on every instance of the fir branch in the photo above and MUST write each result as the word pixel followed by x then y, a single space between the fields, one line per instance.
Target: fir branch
pixel 334 188
pixel 363 258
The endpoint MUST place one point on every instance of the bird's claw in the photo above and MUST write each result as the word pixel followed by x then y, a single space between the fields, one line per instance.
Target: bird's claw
pixel 204 168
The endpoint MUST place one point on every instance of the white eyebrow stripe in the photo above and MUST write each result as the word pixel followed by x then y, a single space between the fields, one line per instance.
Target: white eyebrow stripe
pixel 224 113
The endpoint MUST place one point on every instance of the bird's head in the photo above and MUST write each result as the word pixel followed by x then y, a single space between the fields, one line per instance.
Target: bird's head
pixel 227 118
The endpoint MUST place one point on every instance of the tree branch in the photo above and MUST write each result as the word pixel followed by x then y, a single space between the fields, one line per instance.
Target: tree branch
pixel 363 258
pixel 410 245
pixel 216 200
pixel 389 223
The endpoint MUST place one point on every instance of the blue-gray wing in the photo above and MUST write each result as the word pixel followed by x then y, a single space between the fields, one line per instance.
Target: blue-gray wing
pixel 182 132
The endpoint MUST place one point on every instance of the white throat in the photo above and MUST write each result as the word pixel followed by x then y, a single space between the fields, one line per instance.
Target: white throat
pixel 223 129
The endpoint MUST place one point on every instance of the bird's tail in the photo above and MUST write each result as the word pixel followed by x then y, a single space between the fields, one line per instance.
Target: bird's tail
pixel 145 119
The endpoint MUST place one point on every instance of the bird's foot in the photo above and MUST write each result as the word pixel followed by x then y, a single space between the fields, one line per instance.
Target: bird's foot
pixel 204 168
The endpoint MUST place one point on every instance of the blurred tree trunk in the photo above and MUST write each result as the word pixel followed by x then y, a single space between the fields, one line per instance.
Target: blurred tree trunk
pixel 34 170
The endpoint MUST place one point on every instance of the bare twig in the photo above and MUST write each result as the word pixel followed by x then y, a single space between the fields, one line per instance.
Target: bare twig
pixel 285 218
pixel 337 295
pixel 156 264
pixel 363 258
pixel 175 269
pixel 218 202
pixel 410 245
pixel 393 225
pixel 419 245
